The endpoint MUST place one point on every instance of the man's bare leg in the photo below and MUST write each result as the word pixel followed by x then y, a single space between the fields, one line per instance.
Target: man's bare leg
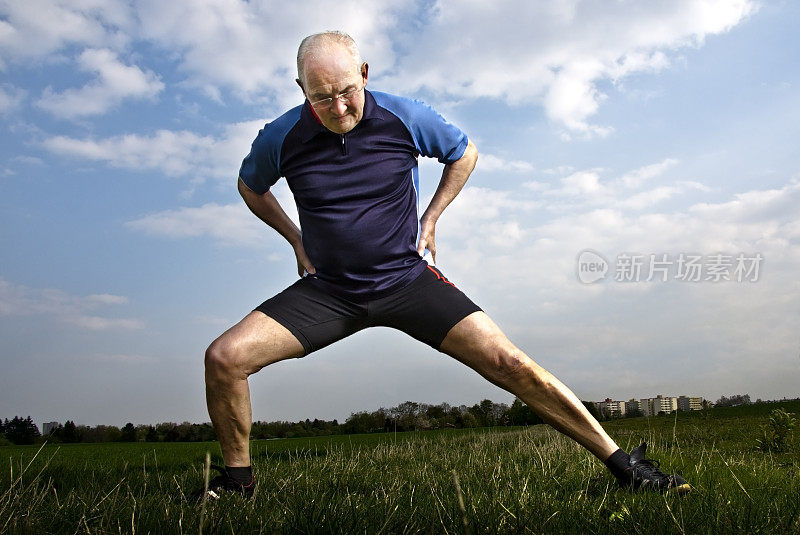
pixel 480 344
pixel 242 350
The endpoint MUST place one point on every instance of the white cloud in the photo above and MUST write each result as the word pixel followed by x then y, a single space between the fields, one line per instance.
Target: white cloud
pixel 481 204
pixel 115 82
pixel 490 162
pixel 639 176
pixel 28 160
pixel 231 224
pixel 106 299
pixel 758 205
pixel 16 300
pixel 646 199
pixel 35 29
pixel 582 183
pixel 97 323
pixel 250 47
pixel 173 153
pixel 587 188
pixel 167 151
pixel 554 53
pixel 10 98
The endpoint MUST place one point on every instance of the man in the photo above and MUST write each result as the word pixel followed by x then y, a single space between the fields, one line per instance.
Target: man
pixel 350 158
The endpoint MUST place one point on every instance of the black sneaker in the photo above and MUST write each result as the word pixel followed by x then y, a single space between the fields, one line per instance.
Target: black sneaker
pixel 645 474
pixel 223 483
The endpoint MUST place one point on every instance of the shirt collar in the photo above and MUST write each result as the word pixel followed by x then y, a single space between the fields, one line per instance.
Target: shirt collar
pixel 311 125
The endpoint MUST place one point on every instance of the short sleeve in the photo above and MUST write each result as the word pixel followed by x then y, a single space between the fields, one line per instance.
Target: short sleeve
pixel 261 168
pixel 433 136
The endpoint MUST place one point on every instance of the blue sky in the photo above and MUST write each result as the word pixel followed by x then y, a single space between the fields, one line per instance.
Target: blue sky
pixel 640 128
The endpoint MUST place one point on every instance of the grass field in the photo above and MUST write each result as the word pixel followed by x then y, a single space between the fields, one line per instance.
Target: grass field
pixel 509 480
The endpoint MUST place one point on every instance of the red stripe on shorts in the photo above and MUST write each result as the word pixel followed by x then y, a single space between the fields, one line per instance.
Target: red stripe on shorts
pixel 442 278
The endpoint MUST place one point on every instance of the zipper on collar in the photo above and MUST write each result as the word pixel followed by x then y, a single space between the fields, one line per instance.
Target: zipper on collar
pixel 344 146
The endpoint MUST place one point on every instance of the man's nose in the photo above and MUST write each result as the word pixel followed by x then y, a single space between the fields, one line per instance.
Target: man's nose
pixel 338 107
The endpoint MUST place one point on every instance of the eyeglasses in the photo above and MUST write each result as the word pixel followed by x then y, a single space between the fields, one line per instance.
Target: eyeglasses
pixel 345 97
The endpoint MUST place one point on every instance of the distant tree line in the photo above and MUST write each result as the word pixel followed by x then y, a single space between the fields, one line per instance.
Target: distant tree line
pixel 18 431
pixel 733 401
pixel 23 431
pixel 163 432
pixel 408 416
pixel 607 414
pixel 744 399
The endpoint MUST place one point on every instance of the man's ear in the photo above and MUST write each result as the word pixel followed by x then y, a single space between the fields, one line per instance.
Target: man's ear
pixel 300 84
pixel 364 72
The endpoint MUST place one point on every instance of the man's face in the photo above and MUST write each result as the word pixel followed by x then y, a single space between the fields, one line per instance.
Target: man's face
pixel 331 73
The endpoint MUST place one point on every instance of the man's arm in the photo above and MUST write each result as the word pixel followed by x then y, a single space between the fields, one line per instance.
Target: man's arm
pixel 454 177
pixel 268 210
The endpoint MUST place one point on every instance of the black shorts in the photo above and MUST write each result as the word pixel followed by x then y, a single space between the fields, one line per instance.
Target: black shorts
pixel 426 309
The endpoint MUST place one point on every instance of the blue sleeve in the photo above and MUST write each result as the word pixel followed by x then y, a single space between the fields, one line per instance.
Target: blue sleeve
pixel 262 167
pixel 433 135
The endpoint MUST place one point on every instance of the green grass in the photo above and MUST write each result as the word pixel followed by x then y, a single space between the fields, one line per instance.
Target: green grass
pixel 512 480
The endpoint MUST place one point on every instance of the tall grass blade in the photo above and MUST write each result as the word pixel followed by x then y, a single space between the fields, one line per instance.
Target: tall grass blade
pixel 206 474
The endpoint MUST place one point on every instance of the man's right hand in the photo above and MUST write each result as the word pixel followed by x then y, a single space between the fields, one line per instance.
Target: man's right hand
pixel 303 262
pixel 269 210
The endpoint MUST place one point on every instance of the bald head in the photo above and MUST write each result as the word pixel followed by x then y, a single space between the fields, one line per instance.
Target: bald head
pixel 321 46
pixel 332 76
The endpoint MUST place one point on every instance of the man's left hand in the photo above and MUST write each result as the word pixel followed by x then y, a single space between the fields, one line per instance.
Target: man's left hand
pixel 427 238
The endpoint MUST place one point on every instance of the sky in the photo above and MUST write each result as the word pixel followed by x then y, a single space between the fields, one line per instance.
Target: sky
pixel 632 222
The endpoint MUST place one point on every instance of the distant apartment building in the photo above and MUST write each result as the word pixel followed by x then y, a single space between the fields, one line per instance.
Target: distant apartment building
pixel 611 409
pixel 690 403
pixel 648 406
pixel 632 406
pixel 48 427
pixel 665 404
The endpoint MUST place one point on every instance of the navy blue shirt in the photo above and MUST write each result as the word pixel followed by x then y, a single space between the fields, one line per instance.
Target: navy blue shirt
pixel 356 193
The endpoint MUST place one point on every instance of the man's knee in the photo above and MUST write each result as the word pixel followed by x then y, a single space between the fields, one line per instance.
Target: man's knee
pixel 250 345
pixel 223 359
pixel 507 363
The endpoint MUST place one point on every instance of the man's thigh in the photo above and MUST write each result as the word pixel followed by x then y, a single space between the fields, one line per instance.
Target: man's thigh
pixel 479 343
pixel 257 341
pixel 475 338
